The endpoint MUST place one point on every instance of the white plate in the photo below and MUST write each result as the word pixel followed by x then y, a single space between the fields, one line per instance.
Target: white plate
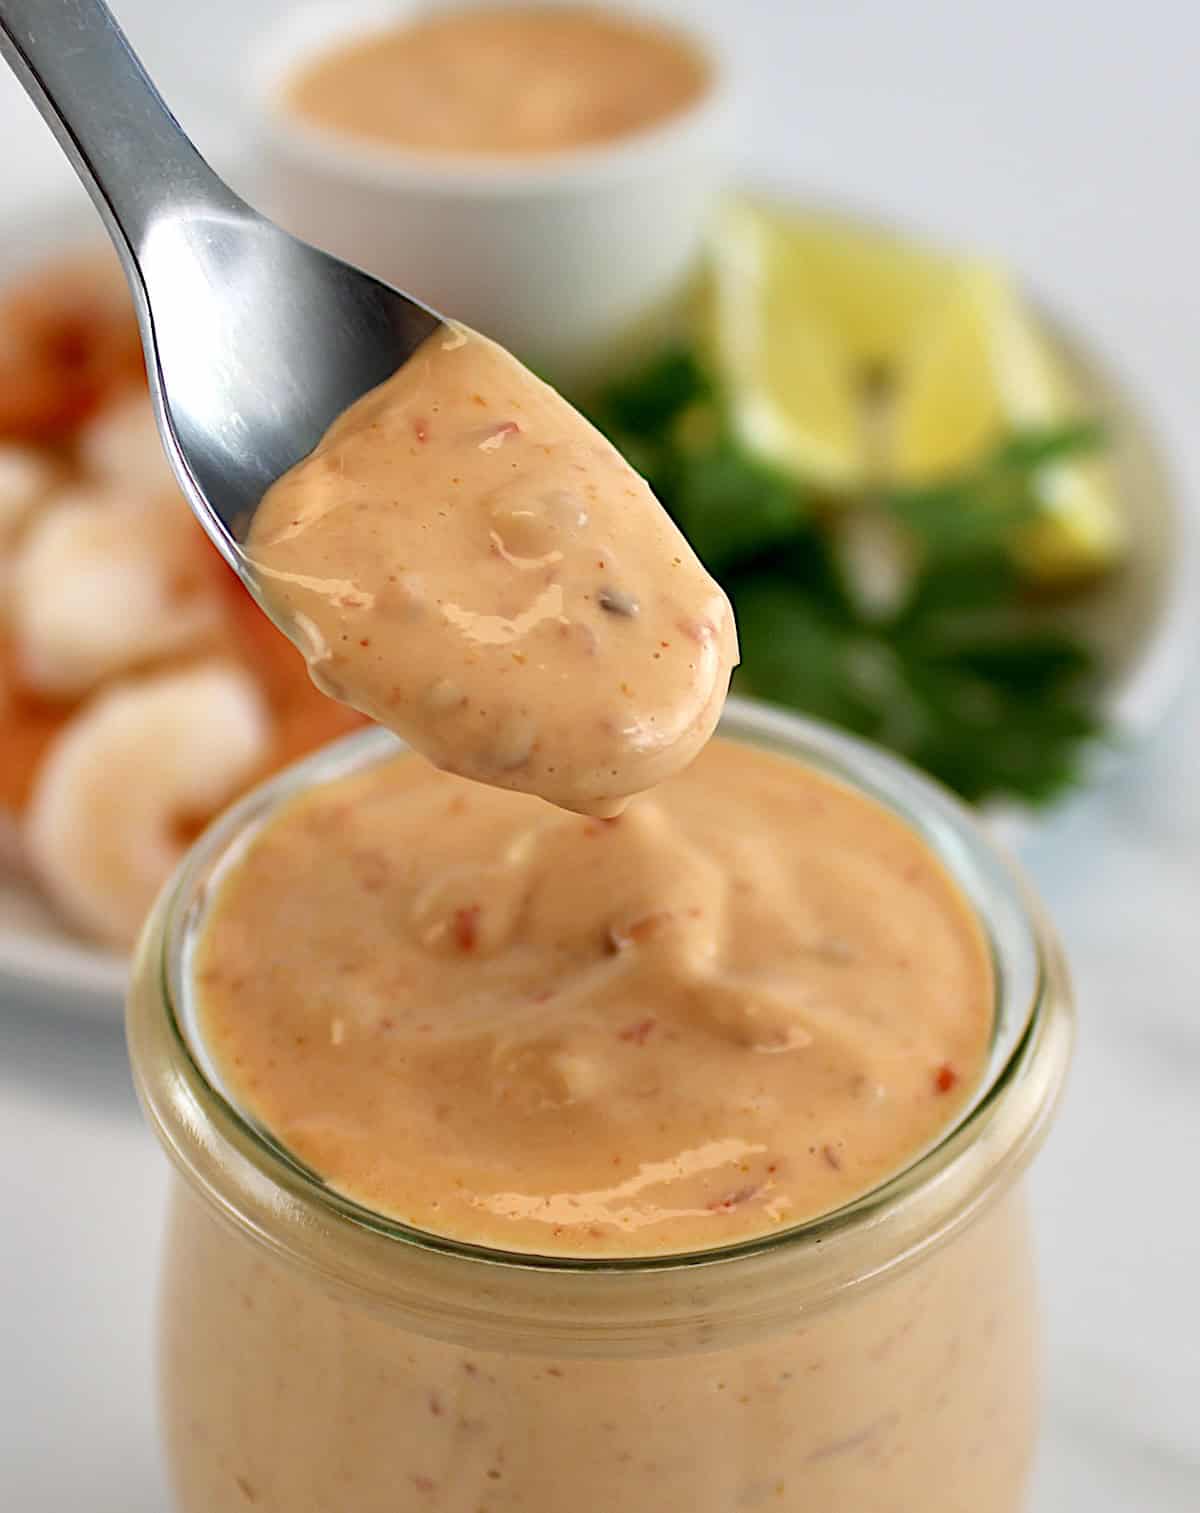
pixel 1143 621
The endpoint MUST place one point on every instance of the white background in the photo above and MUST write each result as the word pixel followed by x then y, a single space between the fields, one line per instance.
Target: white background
pixel 1062 134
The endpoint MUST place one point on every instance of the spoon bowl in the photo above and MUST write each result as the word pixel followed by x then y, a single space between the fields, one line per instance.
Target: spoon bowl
pixel 255 342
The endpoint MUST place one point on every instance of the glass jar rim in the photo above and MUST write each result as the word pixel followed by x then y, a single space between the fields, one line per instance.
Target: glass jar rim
pixel 932 1192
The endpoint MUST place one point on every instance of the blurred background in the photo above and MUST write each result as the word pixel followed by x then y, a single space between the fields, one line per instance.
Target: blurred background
pixel 1061 137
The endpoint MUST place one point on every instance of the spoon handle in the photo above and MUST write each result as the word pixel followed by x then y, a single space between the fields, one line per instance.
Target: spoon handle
pixel 121 139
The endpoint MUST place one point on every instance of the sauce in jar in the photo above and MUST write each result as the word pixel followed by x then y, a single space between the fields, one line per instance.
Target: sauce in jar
pixel 749 999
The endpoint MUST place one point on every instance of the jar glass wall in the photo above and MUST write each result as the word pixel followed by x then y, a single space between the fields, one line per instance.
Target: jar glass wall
pixel 317 1356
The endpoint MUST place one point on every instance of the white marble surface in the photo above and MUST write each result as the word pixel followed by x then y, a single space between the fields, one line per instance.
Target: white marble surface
pixel 1064 134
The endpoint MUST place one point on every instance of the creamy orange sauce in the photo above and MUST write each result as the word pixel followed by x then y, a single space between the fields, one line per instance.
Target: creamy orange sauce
pixel 280 1396
pixel 748 1000
pixel 467 560
pixel 505 81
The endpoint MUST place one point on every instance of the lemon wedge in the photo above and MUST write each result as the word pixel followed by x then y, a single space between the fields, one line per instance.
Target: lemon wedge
pixel 780 351
pixel 983 369
pixel 808 312
pixel 977 369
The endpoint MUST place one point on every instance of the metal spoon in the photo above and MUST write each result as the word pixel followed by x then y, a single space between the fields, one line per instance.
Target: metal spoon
pixel 255 342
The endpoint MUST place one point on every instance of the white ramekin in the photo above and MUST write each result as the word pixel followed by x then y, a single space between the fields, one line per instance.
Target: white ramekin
pixel 562 258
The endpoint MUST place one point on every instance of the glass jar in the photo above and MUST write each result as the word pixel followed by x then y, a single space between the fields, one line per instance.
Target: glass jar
pixel 317 1356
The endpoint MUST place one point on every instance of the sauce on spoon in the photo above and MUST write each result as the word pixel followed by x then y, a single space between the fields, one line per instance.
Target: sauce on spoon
pixel 465 559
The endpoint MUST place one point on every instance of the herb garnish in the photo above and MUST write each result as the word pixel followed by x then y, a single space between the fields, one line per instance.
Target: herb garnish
pixel 898 615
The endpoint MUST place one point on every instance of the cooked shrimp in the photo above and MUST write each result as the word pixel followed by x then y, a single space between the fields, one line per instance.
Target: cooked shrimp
pixel 29 725
pixel 101 588
pixel 25 477
pixel 105 822
pixel 68 343
pixel 24 480
pixel 121 450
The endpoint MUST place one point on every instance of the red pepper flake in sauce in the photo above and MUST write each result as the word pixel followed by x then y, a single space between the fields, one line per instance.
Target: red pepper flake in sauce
pixel 732 1200
pixel 372 870
pixel 636 1034
pixel 424 1483
pixel 945 1078
pixel 639 932
pixel 832 1159
pixel 421 430
pixel 601 827
pixel 499 436
pixel 466 927
pixel 435 1405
